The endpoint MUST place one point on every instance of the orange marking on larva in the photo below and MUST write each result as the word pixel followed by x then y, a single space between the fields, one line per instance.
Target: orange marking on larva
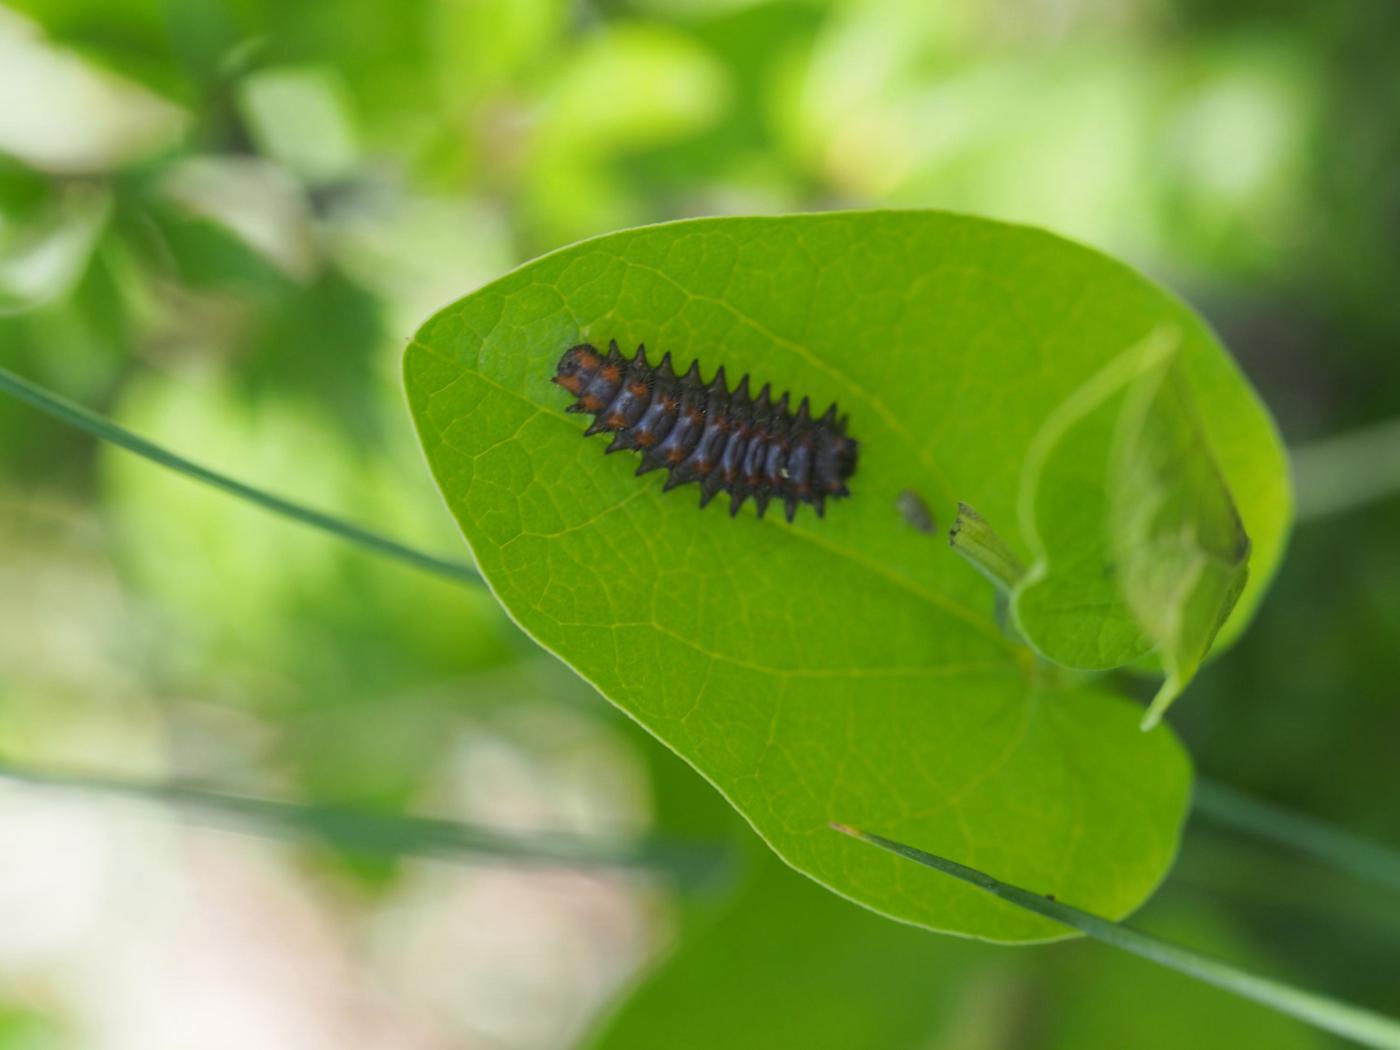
pixel 644 438
pixel 592 403
pixel 695 416
pixel 675 455
pixel 587 360
pixel 573 384
pixel 611 373
pixel 638 389
pixel 617 421
pixel 669 403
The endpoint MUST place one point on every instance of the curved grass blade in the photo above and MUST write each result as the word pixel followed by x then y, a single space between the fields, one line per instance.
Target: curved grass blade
pixel 1226 807
pixel 692 864
pixel 1351 1022
pixel 76 415
pixel 1349 471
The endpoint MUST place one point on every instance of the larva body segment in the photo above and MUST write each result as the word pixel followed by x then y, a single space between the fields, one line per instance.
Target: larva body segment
pixel 726 441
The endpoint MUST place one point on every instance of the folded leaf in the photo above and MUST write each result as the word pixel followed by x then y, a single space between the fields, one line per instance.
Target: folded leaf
pixel 1138 544
pixel 1181 548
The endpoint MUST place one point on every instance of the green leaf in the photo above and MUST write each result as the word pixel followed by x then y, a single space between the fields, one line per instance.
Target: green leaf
pixel 1138 544
pixel 849 667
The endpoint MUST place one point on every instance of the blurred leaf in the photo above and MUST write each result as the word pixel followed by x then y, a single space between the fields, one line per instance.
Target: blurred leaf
pixel 42 259
pixel 301 117
pixel 304 604
pixel 255 201
pixel 200 253
pixel 486 45
pixel 311 335
pixel 660 86
pixel 24 194
pixel 360 666
pixel 130 38
pixel 1138 542
pixel 842 668
pixel 90 121
pixel 381 51
pixel 1181 549
pixel 23 1028
pixel 753 44
pixel 790 965
pixel 318 344
pixel 77 343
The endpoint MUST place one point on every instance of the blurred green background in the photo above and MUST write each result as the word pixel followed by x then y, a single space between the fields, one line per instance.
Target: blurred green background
pixel 220 220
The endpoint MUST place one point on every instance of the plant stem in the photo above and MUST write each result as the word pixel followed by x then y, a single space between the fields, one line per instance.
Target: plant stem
pixel 691 863
pixel 1229 808
pixel 1347 471
pixel 987 552
pixel 99 426
pixel 1344 1019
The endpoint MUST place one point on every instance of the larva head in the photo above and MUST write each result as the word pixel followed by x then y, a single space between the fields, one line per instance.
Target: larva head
pixel 576 367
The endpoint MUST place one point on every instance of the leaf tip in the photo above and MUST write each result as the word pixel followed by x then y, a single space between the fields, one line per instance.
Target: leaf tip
pixel 1170 690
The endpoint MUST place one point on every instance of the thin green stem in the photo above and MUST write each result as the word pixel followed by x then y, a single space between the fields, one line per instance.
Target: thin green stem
pixel 62 409
pixel 1357 856
pixel 1352 1022
pixel 1347 471
pixel 973 538
pixel 1242 875
pixel 690 863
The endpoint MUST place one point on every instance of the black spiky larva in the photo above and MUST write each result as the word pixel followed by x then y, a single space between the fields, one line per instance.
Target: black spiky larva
pixel 727 441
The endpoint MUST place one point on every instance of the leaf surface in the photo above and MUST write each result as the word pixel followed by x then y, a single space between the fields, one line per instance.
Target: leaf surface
pixel 850 668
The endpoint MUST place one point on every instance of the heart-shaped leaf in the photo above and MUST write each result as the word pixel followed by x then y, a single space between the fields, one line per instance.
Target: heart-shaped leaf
pixel 848 668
